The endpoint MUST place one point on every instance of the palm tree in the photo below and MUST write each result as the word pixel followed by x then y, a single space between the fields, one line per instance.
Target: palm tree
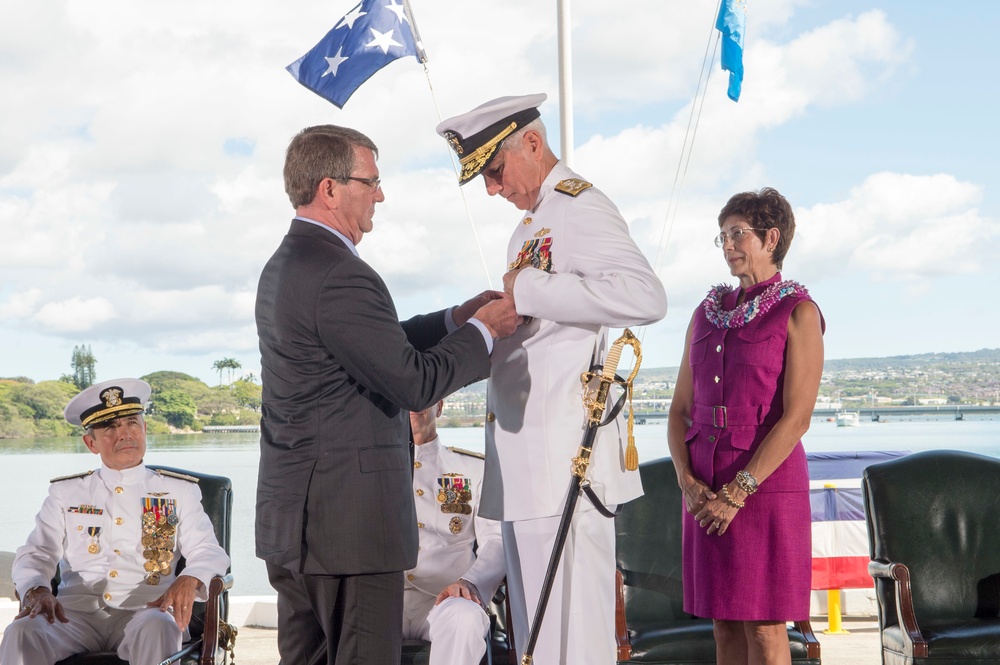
pixel 218 366
pixel 232 364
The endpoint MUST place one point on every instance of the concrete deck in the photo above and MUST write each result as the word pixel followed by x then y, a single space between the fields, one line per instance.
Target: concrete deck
pixel 258 646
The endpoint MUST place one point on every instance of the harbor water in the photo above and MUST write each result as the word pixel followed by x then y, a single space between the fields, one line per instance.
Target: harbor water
pixel 28 465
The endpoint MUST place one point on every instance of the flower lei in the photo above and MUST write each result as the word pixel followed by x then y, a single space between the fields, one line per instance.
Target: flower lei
pixel 750 309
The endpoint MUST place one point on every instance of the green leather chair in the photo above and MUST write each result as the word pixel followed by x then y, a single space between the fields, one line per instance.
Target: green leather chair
pixel 652 626
pixel 210 634
pixel 934 539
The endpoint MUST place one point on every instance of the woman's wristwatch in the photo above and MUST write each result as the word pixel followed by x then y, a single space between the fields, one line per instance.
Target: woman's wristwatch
pixel 746 481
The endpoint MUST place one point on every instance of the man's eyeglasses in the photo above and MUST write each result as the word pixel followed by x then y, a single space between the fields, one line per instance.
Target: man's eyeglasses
pixel 374 183
pixel 736 235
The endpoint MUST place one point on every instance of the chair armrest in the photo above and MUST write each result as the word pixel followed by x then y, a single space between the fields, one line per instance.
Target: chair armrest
pixel 914 643
pixel 621 628
pixel 216 587
pixel 812 644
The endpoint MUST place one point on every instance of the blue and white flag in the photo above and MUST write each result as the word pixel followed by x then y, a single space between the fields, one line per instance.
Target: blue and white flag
pixel 369 37
pixel 732 23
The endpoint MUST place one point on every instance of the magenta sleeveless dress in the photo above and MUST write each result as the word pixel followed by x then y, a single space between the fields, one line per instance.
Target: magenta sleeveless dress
pixel 761 568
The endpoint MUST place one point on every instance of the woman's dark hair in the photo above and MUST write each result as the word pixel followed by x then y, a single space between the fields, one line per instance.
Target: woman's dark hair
pixel 764 209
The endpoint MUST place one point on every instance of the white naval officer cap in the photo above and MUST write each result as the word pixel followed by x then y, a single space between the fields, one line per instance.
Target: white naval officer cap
pixel 108 400
pixel 476 136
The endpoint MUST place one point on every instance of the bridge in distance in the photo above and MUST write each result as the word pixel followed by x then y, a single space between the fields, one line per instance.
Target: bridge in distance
pixel 868 412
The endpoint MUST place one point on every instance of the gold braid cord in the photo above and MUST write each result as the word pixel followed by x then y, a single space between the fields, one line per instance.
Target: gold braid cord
pixel 227 642
pixel 595 404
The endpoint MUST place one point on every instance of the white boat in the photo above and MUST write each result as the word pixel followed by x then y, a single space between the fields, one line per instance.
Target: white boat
pixel 848 419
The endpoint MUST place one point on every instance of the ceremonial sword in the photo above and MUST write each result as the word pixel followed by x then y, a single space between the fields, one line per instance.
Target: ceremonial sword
pixel 595 407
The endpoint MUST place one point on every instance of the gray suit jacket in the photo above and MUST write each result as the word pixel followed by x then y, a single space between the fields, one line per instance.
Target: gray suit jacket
pixel 339 372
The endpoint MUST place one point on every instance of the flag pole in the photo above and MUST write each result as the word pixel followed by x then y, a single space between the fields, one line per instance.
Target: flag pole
pixel 565 83
pixel 417 42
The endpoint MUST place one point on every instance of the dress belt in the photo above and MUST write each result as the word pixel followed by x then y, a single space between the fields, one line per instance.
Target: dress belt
pixel 732 416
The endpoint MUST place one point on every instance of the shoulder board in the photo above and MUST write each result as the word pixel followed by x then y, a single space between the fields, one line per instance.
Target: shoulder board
pixel 75 475
pixel 469 453
pixel 573 186
pixel 174 474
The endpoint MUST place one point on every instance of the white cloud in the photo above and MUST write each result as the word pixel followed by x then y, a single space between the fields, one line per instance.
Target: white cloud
pixel 124 213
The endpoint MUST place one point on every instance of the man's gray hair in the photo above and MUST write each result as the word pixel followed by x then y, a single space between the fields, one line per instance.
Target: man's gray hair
pixel 513 142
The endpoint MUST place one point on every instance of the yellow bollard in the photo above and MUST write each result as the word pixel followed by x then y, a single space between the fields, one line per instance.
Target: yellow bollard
pixel 833 613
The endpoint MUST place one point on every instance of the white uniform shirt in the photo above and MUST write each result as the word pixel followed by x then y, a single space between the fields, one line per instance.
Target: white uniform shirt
pixel 91 527
pixel 536 419
pixel 447 539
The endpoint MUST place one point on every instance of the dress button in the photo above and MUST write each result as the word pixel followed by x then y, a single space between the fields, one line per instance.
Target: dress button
pixel 417 465
pixel 718 349
pixel 113 573
pixel 411 577
pixel 420 525
pixel 420 492
pixel 79 528
pixel 711 438
pixel 119 490
pixel 490 417
pixel 107 596
pixel 119 521
pixel 717 379
pixel 118 552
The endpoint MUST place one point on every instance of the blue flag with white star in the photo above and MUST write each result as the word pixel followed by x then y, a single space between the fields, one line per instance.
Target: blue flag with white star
pixel 369 37
pixel 732 23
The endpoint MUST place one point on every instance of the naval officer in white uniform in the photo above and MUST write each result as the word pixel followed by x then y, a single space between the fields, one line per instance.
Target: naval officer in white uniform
pixel 445 596
pixel 574 271
pixel 115 534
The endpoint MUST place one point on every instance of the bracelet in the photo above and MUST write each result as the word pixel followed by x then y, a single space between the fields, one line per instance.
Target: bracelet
pixel 729 499
pixel 746 481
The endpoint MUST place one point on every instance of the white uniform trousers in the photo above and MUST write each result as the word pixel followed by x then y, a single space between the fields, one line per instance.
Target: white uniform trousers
pixel 457 628
pixel 140 637
pixel 579 623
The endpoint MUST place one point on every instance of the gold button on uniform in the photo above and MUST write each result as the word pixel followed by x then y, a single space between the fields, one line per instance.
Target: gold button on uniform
pixel 420 492
pixel 417 465
pixel 119 490
pixel 410 577
pixel 113 573
pixel 420 525
pixel 118 552
pixel 107 596
pixel 79 527
pixel 490 417
pixel 119 521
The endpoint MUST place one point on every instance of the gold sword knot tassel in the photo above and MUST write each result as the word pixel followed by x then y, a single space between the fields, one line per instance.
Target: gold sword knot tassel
pixel 595 401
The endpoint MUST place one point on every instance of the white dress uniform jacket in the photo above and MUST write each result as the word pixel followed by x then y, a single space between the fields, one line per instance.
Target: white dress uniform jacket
pixel 447 539
pixel 596 277
pixel 91 527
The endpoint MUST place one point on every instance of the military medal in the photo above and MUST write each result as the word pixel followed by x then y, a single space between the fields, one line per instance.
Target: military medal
pixel 455 495
pixel 94 547
pixel 535 253
pixel 159 528
pixel 455 525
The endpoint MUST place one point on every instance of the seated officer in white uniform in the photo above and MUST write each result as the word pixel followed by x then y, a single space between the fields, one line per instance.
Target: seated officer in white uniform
pixel 115 534
pixel 450 614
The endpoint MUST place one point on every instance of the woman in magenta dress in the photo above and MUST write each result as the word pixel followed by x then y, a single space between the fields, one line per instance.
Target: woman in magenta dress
pixel 744 397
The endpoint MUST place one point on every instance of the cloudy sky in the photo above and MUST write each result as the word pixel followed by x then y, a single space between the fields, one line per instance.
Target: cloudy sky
pixel 142 143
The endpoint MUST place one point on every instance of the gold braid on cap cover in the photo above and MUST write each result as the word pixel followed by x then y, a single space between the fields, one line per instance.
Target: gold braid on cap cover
pixel 473 163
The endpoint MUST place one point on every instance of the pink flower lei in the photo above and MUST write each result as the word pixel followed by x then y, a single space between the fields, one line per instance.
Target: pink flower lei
pixel 748 311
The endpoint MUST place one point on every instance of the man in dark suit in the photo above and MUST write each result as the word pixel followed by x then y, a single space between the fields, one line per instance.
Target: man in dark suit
pixel 336 523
